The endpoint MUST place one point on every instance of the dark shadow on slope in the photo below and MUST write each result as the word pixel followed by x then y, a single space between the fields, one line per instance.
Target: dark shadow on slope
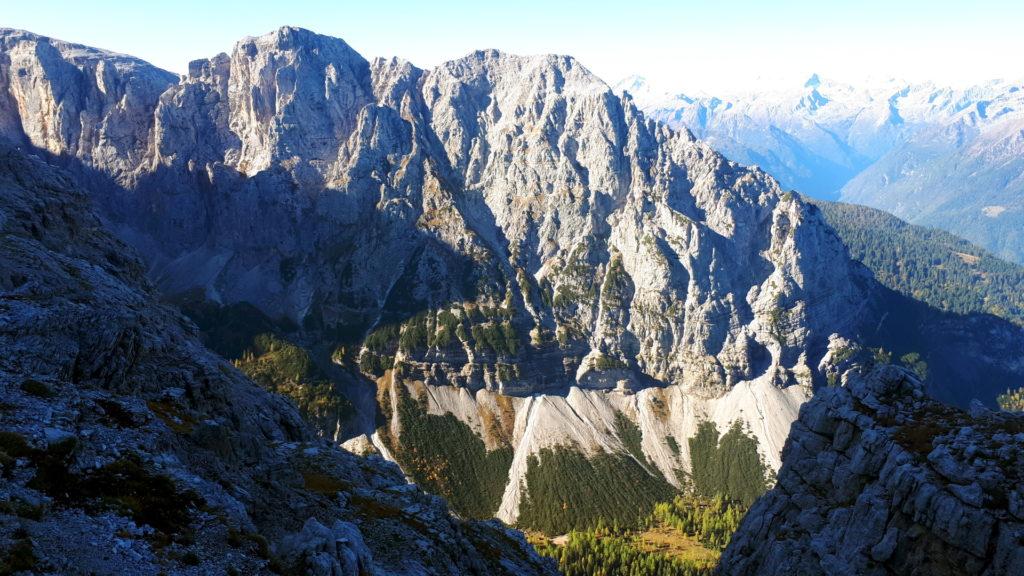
pixel 969 356
pixel 271 213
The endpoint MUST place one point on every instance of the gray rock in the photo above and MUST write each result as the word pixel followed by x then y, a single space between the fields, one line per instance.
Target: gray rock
pixel 901 506
pixel 324 165
pixel 321 551
pixel 886 546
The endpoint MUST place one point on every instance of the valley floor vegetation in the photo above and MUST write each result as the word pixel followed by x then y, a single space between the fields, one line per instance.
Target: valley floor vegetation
pixel 683 537
pixel 680 536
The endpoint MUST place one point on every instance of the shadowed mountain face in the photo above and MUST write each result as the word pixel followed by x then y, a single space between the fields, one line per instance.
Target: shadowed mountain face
pixel 454 242
pixel 126 447
pixel 951 303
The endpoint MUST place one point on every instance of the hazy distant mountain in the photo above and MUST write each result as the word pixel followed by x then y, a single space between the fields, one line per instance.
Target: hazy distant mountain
pixel 932 155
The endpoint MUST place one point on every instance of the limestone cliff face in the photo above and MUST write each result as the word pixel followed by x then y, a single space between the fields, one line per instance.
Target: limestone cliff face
pixel 878 479
pixel 340 193
pixel 74 100
pixel 126 447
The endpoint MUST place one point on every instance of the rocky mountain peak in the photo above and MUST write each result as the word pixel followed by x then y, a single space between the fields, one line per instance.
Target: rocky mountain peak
pixel 529 164
pixel 66 98
pixel 293 96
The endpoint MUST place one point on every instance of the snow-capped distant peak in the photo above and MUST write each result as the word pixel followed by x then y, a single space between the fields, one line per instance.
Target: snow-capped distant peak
pixel 631 84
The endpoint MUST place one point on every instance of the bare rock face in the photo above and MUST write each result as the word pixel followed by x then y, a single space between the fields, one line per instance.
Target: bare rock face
pixel 296 175
pixel 878 479
pixel 290 97
pixel 126 447
pixel 499 224
pixel 73 100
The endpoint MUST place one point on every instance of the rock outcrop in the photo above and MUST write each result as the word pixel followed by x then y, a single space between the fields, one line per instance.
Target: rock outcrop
pixel 126 447
pixel 877 478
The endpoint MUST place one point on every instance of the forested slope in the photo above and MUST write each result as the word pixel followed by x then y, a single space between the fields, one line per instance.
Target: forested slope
pixel 928 264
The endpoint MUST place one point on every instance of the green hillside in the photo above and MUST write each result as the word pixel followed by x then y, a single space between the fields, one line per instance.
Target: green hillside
pixel 930 265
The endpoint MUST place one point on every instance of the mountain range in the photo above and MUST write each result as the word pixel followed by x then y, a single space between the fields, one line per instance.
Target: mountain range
pixel 933 155
pixel 496 273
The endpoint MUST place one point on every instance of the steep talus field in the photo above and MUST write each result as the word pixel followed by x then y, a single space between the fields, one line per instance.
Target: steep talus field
pixel 879 479
pixel 484 272
pixel 126 447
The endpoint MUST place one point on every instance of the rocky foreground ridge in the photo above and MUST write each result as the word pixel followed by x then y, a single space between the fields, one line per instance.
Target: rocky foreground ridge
pixel 879 479
pixel 126 447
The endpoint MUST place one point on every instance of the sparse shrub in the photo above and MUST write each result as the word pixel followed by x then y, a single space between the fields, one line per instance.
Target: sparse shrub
pixel 881 356
pixel 672 444
pixel 321 483
pixel 1012 400
pixel 915 363
pixel 19 558
pixel 605 362
pixel 14 444
pixel 124 486
pixel 116 413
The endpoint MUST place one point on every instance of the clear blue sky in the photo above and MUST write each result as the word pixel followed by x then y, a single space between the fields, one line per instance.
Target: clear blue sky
pixel 680 44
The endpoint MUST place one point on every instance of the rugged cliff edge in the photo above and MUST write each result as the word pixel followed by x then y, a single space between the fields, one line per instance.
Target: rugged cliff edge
pixel 128 448
pixel 516 197
pixel 878 479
